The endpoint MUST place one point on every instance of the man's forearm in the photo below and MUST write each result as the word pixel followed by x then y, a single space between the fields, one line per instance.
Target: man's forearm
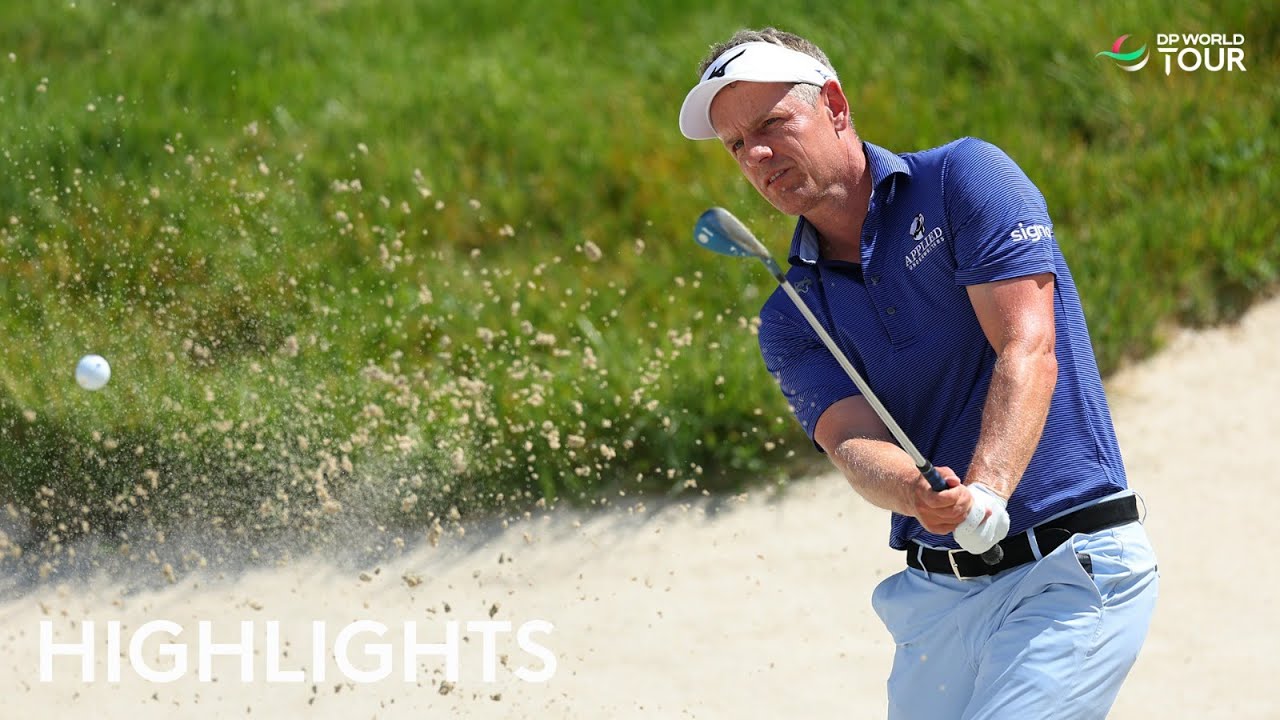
pixel 878 470
pixel 1013 418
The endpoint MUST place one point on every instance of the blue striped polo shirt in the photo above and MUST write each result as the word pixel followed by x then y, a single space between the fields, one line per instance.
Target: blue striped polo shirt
pixel 939 220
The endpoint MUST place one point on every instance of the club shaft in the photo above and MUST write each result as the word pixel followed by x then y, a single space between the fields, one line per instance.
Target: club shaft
pixel 718 230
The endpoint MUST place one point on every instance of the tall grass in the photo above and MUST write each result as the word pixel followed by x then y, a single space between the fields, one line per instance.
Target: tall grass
pixel 412 260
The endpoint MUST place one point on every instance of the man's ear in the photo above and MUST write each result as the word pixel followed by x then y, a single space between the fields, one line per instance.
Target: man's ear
pixel 837 105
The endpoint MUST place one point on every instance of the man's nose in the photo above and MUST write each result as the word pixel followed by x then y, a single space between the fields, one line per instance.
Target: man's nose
pixel 758 153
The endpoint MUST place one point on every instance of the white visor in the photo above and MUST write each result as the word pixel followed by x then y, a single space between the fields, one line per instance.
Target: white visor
pixel 750 62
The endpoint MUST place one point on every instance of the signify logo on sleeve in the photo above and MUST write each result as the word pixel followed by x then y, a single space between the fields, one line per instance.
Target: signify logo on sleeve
pixel 1189 52
pixel 1031 233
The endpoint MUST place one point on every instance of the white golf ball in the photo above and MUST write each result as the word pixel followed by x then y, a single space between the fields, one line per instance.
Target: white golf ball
pixel 93 372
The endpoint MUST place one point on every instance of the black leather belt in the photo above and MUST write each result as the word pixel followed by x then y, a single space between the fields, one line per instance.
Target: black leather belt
pixel 1017 549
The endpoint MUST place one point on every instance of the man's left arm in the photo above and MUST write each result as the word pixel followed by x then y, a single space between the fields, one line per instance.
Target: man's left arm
pixel 1018 319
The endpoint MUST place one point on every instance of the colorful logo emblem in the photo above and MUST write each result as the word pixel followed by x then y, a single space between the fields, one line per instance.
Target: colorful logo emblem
pixel 1122 59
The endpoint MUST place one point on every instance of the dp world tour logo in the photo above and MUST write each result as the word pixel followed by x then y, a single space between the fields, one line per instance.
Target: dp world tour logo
pixel 1123 59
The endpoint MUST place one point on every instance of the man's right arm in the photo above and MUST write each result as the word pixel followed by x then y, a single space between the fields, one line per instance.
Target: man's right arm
pixel 859 444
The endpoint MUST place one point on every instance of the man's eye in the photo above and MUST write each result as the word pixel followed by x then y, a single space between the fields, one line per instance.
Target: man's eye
pixel 736 146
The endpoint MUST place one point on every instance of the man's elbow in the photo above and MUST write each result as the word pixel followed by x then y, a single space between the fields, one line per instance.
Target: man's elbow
pixel 1035 357
pixel 1045 362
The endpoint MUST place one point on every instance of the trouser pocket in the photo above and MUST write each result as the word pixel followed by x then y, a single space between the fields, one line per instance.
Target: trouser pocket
pixel 1086 562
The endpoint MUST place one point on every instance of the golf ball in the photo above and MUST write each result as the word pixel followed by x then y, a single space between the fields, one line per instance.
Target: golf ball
pixel 93 372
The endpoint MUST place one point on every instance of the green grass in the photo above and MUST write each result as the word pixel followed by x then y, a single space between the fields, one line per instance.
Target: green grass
pixel 394 257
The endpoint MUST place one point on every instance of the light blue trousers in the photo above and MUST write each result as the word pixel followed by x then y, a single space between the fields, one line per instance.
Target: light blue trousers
pixel 1044 640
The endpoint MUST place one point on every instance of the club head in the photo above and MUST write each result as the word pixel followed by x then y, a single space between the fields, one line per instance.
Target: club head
pixel 719 231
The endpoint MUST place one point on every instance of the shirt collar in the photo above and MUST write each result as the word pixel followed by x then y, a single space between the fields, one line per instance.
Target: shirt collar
pixel 884 165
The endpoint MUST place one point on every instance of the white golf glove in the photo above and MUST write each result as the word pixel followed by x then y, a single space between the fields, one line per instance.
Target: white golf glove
pixel 976 535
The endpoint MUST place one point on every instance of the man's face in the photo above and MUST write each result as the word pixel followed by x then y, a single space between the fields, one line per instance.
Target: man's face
pixel 787 148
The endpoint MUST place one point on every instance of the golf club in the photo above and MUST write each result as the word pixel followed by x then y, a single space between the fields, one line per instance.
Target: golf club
pixel 719 231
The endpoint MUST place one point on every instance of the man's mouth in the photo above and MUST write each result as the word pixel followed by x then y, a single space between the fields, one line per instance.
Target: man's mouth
pixel 774 177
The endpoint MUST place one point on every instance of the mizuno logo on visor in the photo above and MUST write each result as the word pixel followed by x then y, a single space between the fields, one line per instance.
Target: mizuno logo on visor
pixel 719 72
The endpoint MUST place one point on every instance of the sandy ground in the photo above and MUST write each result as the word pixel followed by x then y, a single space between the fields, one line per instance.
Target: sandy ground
pixel 751 608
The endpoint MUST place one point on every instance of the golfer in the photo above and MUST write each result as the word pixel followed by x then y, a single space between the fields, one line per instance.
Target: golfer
pixel 939 275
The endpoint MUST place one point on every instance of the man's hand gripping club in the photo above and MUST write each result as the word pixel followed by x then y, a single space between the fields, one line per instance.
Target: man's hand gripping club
pixel 975 514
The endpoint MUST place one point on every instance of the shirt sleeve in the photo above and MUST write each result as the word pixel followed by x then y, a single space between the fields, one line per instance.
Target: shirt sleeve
pixel 810 377
pixel 998 219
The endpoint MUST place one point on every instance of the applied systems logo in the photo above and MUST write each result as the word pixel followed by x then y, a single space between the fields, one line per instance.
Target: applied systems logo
pixel 1188 52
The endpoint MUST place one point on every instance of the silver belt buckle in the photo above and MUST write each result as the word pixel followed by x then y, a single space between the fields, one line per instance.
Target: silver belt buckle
pixel 955 569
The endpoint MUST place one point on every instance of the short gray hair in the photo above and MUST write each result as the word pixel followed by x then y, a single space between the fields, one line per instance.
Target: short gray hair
pixel 806 92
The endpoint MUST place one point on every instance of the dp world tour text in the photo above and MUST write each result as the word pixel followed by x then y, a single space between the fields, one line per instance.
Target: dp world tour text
pixel 1214 52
